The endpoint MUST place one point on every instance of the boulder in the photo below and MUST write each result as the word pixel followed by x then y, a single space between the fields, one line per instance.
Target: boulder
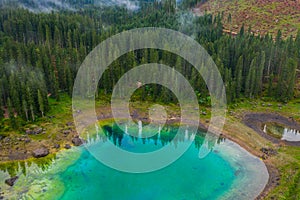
pixel 77 141
pixel 66 132
pixel 41 152
pixel 268 151
pixel 67 146
pixel 27 140
pixel 56 146
pixel 11 181
pixel 37 131
pixel 29 132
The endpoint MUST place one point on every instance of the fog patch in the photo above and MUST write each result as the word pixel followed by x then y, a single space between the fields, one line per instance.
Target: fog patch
pixel 56 5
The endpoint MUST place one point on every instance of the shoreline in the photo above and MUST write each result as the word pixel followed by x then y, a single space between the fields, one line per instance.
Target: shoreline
pixel 273 172
pixel 274 175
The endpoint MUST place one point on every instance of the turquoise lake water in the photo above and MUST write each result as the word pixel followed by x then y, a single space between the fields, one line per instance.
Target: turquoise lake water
pixel 228 172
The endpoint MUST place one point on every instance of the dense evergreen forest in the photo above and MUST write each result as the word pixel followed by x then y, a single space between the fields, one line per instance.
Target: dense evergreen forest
pixel 40 54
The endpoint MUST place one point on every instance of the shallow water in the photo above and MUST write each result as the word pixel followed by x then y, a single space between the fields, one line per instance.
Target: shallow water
pixel 284 133
pixel 228 172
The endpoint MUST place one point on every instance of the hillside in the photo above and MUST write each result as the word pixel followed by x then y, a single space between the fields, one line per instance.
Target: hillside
pixel 262 15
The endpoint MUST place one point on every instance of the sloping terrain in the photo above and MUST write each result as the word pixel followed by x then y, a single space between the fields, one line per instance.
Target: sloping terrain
pixel 264 16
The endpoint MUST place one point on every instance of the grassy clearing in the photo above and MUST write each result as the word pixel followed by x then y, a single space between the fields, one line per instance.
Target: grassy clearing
pixel 263 16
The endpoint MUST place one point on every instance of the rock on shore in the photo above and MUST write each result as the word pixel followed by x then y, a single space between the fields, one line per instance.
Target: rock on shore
pixel 41 152
pixel 11 181
pixel 77 141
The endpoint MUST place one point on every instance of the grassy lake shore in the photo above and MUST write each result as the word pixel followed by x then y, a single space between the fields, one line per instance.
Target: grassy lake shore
pixel 284 167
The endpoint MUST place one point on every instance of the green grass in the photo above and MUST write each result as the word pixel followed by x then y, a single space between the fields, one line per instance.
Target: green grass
pixel 292 108
pixel 289 187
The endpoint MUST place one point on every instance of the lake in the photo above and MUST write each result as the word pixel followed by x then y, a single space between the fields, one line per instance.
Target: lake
pixel 227 172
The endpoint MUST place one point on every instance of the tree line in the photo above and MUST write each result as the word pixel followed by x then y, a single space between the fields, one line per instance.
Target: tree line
pixel 40 54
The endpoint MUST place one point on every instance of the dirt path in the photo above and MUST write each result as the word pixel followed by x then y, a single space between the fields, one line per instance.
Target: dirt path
pixel 257 120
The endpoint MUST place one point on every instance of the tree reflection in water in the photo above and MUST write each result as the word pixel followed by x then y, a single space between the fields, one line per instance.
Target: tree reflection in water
pixel 164 136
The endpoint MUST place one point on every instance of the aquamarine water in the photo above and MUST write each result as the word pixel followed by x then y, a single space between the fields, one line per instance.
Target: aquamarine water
pixel 227 172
